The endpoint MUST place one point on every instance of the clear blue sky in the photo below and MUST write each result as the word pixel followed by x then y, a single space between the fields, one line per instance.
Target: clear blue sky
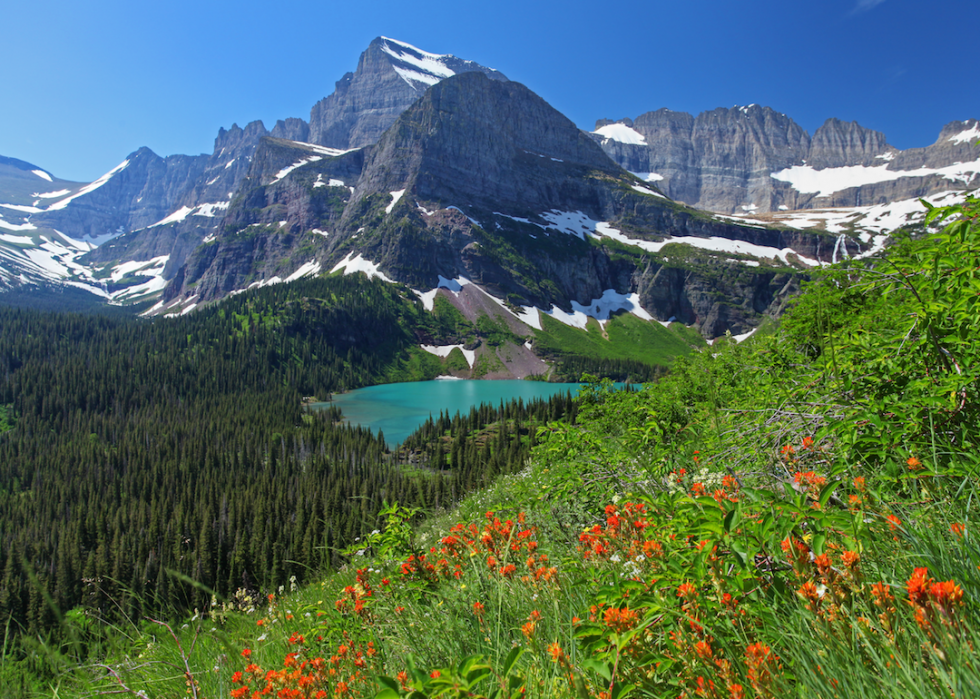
pixel 85 84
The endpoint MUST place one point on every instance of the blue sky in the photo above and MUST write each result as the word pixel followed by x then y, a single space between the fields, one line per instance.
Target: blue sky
pixel 85 84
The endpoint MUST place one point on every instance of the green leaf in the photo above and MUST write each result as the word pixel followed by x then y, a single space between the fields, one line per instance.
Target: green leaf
pixel 732 519
pixel 389 683
pixel 512 657
pixel 602 669
pixel 827 493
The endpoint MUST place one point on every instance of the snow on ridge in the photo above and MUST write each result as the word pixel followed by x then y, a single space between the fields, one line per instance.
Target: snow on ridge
pixel 359 264
pixel 51 195
pixel 823 183
pixel 286 170
pixel 43 175
pixel 621 133
pixel 427 68
pixel 323 150
pixel 395 196
pixel 91 187
pixel 310 269
pixel 966 136
pixel 646 190
pixel 177 216
pixel 23 208
pixel 713 244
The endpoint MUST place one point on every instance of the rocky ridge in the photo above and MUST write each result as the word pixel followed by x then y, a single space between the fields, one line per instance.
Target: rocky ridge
pixel 756 160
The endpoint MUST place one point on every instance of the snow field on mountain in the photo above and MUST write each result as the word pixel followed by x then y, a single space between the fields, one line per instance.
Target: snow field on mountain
pixel 621 133
pixel 806 180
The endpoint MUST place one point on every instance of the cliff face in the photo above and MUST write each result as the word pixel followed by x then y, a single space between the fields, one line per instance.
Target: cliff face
pixel 755 160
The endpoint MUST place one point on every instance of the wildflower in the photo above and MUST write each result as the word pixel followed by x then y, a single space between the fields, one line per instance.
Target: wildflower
pixel 918 585
pixel 882 594
pixel 247 653
pixel 703 650
pixel 914 464
pixel 620 619
pixel 402 678
pixel 687 590
pixel 478 609
pixel 859 484
pixel 957 528
pixel 807 442
pixel 850 559
pixel 556 653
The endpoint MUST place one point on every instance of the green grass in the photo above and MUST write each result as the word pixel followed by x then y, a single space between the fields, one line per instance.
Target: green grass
pixel 629 337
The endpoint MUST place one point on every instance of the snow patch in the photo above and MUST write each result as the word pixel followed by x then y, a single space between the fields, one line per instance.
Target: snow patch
pixel 714 244
pixel 571 222
pixel 601 309
pixel 444 350
pixel 648 176
pixel 395 196
pixel 823 183
pixel 210 210
pixel 621 133
pixel 43 175
pixel 286 170
pixel 310 269
pixel 51 195
pixel 22 207
pixel 644 190
pixel 57 206
pixel 177 216
pixel 967 136
pixel 359 264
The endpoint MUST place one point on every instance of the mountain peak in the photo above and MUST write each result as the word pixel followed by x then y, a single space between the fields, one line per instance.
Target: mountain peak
pixel 390 76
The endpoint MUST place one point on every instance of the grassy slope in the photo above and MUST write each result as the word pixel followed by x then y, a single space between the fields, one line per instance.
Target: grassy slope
pixel 626 337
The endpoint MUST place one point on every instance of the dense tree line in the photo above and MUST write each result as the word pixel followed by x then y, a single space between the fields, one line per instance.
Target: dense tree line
pixel 153 461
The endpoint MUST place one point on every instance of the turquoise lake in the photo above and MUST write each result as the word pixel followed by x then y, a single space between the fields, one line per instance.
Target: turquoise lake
pixel 398 409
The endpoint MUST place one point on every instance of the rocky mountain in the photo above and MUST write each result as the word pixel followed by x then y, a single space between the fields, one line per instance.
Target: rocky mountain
pixel 481 190
pixel 157 210
pixel 756 160
pixel 438 173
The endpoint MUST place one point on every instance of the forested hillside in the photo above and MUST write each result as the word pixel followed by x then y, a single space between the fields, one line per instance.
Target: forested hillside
pixel 144 464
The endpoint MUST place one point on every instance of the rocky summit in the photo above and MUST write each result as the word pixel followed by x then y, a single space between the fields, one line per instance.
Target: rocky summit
pixel 756 160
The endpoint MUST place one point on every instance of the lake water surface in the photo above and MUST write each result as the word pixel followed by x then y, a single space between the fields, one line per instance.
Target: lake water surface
pixel 398 409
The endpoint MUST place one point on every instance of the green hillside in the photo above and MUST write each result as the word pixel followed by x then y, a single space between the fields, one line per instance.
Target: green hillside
pixel 792 516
